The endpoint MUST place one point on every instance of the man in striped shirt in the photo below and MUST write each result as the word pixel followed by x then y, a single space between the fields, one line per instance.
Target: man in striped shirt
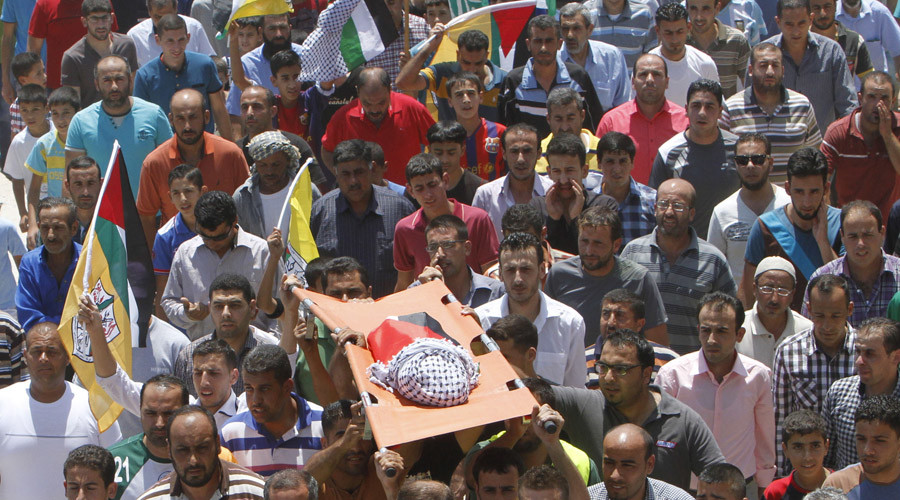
pixel 626 24
pixel 726 45
pixel 785 117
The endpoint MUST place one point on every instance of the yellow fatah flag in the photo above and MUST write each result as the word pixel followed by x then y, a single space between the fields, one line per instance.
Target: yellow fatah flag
pixel 300 247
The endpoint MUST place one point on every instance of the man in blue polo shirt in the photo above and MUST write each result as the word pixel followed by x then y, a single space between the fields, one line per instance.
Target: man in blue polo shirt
pixel 176 69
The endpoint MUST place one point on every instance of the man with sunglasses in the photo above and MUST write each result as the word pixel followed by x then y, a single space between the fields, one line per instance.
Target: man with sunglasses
pixel 732 218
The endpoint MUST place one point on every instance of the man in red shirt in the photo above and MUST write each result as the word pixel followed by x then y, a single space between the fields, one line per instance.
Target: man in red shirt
pixel 398 123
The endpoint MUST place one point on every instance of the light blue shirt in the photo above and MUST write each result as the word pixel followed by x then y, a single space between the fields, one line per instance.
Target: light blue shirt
pixel 140 131
pixel 747 17
pixel 10 242
pixel 877 26
pixel 257 70
pixel 156 83
pixel 606 67
pixel 19 12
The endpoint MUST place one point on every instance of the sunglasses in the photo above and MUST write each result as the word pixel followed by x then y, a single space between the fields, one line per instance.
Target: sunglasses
pixel 218 237
pixel 743 160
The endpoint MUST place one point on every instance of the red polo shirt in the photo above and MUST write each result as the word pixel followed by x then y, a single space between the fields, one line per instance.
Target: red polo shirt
pixel 862 172
pixel 223 168
pixel 401 133
pixel 648 135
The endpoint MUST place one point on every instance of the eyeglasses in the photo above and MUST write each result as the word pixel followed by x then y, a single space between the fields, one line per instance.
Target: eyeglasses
pixel 677 206
pixel 445 245
pixel 620 370
pixel 742 160
pixel 218 237
pixel 767 290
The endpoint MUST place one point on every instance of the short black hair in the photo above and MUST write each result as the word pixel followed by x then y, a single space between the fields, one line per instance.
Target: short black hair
pixel 520 128
pixel 288 479
pixel 754 137
pixel 89 7
pixel 473 40
pixel 189 172
pixel 283 59
pixel 91 456
pixel 624 296
pixel 52 202
pixel 762 47
pixel 63 96
pixel 545 477
pixel 565 144
pixel 497 460
pixel 170 22
pixel 601 216
pixel 315 270
pixel 448 221
pixel 615 142
pixel 345 265
pixel 671 12
pixel 541 390
pixel 423 164
pixel 521 241
pixel 464 76
pixel 351 150
pixel 215 208
pixel 431 3
pixel 233 281
pixel 808 162
pixel 864 205
pixel 727 474
pixel 33 94
pixel 270 96
pixel 543 22
pixel 883 408
pixel 334 413
pixel 265 358
pixel 375 152
pixel 216 346
pixel 888 329
pixel 521 218
pixel 783 5
pixel 625 337
pixel 23 62
pixel 167 381
pixel 717 301
pixel 82 162
pixel 517 328
pixel 705 85
pixel 802 423
pixel 447 131
pixel 827 284
pixel 880 76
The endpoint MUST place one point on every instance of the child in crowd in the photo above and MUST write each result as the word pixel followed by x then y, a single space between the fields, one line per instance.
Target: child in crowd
pixel 378 167
pixel 447 141
pixel 32 102
pixel 437 11
pixel 222 70
pixel 47 160
pixel 185 188
pixel 803 442
pixel 27 68
pixel 249 34
pixel 484 153
pixel 293 103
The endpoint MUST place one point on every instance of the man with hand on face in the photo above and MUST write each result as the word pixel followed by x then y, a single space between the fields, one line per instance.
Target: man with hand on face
pixel 684 63
pixel 199 473
pixel 727 46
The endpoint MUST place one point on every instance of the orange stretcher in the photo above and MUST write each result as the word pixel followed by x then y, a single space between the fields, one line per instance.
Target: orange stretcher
pixel 395 420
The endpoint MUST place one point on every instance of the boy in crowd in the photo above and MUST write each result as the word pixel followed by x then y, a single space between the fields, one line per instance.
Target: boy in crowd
pixel 447 141
pixel 88 473
pixel 484 153
pixel 249 34
pixel 185 188
pixel 32 102
pixel 378 167
pixel 437 11
pixel 27 68
pixel 293 103
pixel 804 442
pixel 47 160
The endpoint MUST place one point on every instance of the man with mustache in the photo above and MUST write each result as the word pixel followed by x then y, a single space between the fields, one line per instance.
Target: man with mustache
pixel 854 45
pixel 685 63
pixel 727 46
pixel 83 182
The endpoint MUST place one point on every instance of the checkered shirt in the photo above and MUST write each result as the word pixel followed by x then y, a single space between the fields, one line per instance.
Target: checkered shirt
pixel 841 403
pixel 16 124
pixel 656 490
pixel 876 304
pixel 803 373
pixel 389 60
pixel 638 212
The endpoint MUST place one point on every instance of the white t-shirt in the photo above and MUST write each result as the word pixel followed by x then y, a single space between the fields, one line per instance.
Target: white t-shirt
pixel 692 66
pixel 19 149
pixel 730 226
pixel 36 438
pixel 271 208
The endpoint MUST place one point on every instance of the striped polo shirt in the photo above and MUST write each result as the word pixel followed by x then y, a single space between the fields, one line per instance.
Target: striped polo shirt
pixel 791 126
pixel 261 452
pixel 631 31
pixel 730 51
pixel 236 483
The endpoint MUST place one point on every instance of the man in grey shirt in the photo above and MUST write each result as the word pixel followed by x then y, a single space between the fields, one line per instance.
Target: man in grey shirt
pixel 684 442
pixel 581 282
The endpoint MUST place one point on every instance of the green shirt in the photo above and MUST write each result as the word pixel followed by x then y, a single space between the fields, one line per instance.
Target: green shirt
pixel 303 381
pixel 136 469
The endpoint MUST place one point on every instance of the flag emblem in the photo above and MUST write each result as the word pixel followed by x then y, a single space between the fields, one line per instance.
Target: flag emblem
pixel 82 342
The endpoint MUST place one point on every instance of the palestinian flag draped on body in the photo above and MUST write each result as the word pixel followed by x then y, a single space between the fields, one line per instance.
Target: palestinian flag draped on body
pixel 299 245
pixel 250 8
pixel 115 269
pixel 349 33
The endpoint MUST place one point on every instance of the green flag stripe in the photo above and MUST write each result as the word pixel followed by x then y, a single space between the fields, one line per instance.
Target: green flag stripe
pixel 115 254
pixel 350 48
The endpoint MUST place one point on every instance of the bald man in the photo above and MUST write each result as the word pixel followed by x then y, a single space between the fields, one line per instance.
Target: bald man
pixel 220 161
pixel 398 123
pixel 684 266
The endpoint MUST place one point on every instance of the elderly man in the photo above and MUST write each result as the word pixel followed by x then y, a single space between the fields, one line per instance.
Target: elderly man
pixel 565 114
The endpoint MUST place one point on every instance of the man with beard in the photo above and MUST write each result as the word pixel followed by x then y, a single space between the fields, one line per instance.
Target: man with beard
pixel 863 149
pixel 785 117
pixel 280 430
pixel 684 266
pixel 79 61
pixel 684 63
pixel 877 26
pixel 853 43
pixel 732 218
pixel 221 163
pixel 199 473
pixel 138 125
pixel 144 32
pixel 727 46
pixel 805 231
pixel 583 281
pixel 83 182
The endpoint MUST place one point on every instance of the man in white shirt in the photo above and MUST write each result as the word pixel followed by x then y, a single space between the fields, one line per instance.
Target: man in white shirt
pixel 560 356
pixel 683 62
pixel 144 32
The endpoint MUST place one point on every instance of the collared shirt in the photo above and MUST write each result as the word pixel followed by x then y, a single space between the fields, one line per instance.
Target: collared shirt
pixel 693 65
pixel 481 289
pixel 648 134
pixel 237 483
pixel 791 126
pixel 39 296
pixel 631 31
pixel 841 403
pixel 700 269
pixel 496 197
pixel 560 338
pixel 80 60
pixel 157 83
pixel 606 66
pixel 738 410
pixel 759 343
pixel 863 170
pixel 144 37
pixel 591 159
pixel 195 267
pixel 12 341
pixel 402 131
pixel 883 290
pixel 857 486
pixel 876 24
pixel 822 76
pixel 730 51
pixel 48 160
pixel 656 490
pixel 802 375
pixel 745 16
pixel 369 237
pixel 637 212
pixel 257 449
pixel 855 49
pixel 258 70
pixel 436 77
pixel 168 239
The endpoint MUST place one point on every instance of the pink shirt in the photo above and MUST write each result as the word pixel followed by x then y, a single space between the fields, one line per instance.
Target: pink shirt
pixel 740 411
pixel 648 135
pixel 409 239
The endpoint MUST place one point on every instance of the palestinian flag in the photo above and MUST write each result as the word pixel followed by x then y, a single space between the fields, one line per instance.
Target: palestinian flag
pixel 115 269
pixel 299 247
pixel 250 8
pixel 348 33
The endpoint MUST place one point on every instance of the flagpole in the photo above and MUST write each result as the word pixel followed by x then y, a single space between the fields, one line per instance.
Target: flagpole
pixel 287 201
pixel 88 246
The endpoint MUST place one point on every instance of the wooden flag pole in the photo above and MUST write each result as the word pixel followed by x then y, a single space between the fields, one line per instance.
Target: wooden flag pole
pixel 406 26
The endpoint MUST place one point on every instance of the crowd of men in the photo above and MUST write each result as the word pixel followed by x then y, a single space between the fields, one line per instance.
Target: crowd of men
pixel 678 223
